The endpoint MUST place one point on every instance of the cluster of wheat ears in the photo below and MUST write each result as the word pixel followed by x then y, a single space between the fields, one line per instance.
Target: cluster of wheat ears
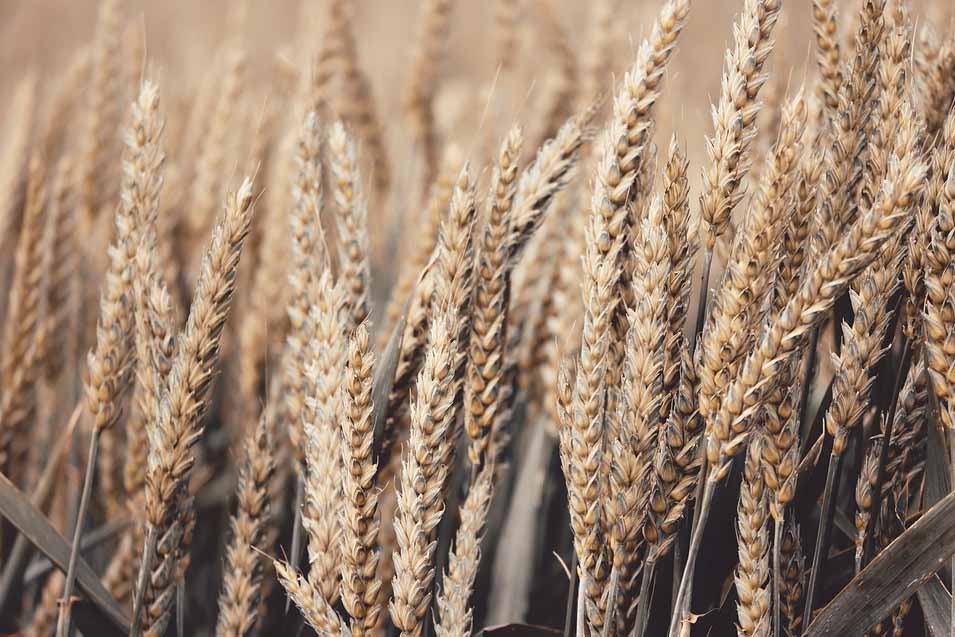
pixel 573 399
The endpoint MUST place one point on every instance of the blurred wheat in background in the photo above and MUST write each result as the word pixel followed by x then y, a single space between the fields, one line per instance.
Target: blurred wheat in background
pixel 434 318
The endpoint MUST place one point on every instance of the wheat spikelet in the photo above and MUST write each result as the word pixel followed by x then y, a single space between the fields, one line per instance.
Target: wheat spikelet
pixel 487 338
pixel 314 608
pixel 681 249
pixel 306 259
pixel 825 282
pixel 746 281
pixel 176 428
pixel 796 234
pixel 734 118
pixel 241 588
pixel 360 522
pixel 892 81
pixel 622 150
pixel 325 361
pixel 455 616
pixel 825 23
pixel 915 265
pixel 865 500
pixel 937 87
pixel 345 183
pixel 633 431
pixel 939 312
pixel 862 350
pixel 844 161
pixel 424 475
pixel 780 449
pixel 794 575
pixel 752 530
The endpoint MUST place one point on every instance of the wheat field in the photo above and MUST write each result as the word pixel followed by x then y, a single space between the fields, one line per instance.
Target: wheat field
pixel 442 318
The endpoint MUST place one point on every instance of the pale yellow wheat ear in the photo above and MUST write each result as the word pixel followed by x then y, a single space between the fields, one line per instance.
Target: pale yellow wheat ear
pixel 485 378
pixel 622 152
pixel 360 517
pixel 939 313
pixel 352 216
pixel 752 532
pixel 735 115
pixel 242 583
pixel 176 428
pixel 316 611
pixel 426 464
pixel 304 263
pixel 825 23
pixel 455 615
pixel 633 430
pixel 325 357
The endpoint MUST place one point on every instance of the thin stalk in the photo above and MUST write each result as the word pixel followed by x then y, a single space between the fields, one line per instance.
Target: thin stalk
pixel 643 610
pixel 63 621
pixel 951 451
pixel 297 529
pixel 181 609
pixel 777 575
pixel 611 602
pixel 679 550
pixel 581 608
pixel 823 532
pixel 149 551
pixel 571 594
pixel 696 539
pixel 903 371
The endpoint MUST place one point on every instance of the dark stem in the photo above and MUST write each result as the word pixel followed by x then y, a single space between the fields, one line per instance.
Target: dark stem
pixel 571 595
pixel 696 539
pixel 778 526
pixel 646 579
pixel 610 616
pixel 149 551
pixel 951 451
pixel 296 555
pixel 823 533
pixel 63 621
pixel 181 609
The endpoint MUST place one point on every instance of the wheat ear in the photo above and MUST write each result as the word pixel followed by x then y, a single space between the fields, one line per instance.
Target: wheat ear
pixel 242 584
pixel 177 427
pixel 360 521
pixel 352 215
